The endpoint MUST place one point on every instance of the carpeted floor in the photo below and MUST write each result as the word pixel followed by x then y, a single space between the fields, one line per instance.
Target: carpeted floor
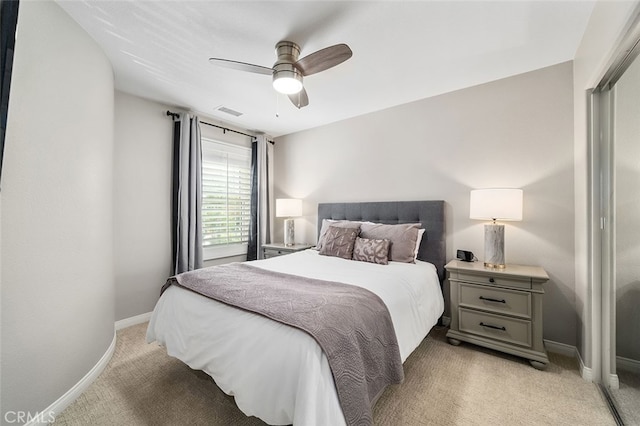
pixel 444 385
pixel 627 397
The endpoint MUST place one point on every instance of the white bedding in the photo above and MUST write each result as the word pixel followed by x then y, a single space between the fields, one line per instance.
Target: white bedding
pixel 276 372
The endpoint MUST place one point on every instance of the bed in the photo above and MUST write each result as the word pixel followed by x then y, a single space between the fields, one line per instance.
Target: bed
pixel 280 373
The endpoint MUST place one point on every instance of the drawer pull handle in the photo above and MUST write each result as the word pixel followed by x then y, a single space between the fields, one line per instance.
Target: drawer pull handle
pixel 488 299
pixel 491 280
pixel 492 326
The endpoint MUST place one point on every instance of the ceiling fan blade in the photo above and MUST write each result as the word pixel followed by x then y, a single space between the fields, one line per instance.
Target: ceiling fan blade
pixel 242 66
pixel 324 59
pixel 300 99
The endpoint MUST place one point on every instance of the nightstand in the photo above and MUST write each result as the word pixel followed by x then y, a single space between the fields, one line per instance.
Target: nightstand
pixel 499 309
pixel 279 249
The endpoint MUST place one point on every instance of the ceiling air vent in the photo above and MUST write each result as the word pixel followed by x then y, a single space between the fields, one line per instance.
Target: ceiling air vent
pixel 230 111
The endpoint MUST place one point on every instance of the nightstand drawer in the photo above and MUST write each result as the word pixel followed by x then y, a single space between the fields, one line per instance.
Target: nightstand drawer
pixel 274 253
pixel 279 249
pixel 497 280
pixel 498 300
pixel 510 330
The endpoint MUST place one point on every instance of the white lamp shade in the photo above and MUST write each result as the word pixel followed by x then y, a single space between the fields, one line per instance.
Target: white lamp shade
pixel 288 207
pixel 496 204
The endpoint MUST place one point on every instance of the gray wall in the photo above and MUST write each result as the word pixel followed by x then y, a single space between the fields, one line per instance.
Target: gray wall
pixel 57 262
pixel 142 203
pixel 515 132
pixel 142 215
pixel 627 215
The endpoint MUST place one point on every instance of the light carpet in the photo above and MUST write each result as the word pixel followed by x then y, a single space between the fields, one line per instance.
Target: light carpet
pixel 444 385
pixel 627 397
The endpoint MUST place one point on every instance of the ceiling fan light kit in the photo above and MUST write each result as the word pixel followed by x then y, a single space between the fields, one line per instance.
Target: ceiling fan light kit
pixel 287 79
pixel 288 71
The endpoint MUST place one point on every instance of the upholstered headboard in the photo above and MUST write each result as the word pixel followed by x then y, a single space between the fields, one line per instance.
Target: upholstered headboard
pixel 429 213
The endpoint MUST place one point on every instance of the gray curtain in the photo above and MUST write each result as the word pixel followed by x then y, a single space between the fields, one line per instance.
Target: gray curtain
pixel 187 194
pixel 261 190
pixel 253 247
pixel 9 20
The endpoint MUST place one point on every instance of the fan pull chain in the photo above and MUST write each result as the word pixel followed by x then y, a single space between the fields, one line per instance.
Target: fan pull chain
pixel 277 106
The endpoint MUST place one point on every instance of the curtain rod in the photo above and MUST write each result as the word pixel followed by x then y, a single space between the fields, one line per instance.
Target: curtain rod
pixel 224 129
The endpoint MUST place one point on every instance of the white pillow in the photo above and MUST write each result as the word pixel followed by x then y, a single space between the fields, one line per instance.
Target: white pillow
pixel 403 237
pixel 418 241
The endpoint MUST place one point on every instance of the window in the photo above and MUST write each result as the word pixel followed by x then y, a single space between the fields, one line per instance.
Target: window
pixel 226 198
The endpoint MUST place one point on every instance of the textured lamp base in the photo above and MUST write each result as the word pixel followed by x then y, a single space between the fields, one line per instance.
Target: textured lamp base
pixel 289 232
pixel 494 246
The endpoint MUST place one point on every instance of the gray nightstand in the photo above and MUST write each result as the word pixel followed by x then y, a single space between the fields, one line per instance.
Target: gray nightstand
pixel 279 249
pixel 500 309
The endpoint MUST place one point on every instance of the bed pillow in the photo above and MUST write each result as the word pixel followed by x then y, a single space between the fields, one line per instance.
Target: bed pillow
pixel 418 242
pixel 373 251
pixel 403 238
pixel 326 223
pixel 339 242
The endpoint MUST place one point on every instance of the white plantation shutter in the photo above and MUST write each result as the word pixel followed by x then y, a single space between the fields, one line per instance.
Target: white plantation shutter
pixel 226 198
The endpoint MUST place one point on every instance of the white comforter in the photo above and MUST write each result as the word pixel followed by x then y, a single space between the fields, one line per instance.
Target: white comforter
pixel 276 372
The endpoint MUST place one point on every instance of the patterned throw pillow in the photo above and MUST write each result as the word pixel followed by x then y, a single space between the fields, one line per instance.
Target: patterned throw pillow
pixel 373 251
pixel 339 242
pixel 326 223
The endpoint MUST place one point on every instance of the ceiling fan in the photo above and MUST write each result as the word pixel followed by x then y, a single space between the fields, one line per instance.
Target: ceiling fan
pixel 288 70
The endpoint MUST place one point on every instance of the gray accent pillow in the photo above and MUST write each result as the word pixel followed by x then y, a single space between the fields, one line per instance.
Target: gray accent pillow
pixel 373 251
pixel 339 242
pixel 326 223
pixel 403 238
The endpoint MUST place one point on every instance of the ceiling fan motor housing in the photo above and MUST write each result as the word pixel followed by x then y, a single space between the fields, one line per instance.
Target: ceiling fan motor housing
pixel 287 51
pixel 286 77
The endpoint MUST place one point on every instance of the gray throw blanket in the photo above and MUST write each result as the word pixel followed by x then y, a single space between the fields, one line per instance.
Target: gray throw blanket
pixel 351 324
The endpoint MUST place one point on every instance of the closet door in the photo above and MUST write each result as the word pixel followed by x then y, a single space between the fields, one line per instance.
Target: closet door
pixel 625 259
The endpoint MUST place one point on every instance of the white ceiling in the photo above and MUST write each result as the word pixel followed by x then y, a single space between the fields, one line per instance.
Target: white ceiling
pixel 402 51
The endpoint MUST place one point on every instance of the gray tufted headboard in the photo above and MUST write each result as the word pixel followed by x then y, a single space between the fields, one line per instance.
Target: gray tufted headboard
pixel 429 213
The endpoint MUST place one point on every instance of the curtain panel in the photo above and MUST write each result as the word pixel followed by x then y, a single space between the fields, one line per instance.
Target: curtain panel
pixel 9 20
pixel 187 194
pixel 261 193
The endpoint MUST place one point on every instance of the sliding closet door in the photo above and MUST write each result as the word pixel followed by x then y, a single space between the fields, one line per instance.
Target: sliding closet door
pixel 625 186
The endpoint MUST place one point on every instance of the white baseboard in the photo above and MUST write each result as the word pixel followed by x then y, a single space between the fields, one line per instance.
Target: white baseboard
pixel 585 372
pixel 614 382
pixel 128 322
pixel 622 363
pixel 628 364
pixel 47 416
pixel 561 348
pixel 567 350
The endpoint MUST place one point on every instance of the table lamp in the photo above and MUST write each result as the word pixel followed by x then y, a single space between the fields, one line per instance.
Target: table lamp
pixel 495 204
pixel 289 208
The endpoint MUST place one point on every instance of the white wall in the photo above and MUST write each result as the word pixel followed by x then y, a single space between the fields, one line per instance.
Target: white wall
pixel 515 132
pixel 142 200
pixel 57 182
pixel 607 25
